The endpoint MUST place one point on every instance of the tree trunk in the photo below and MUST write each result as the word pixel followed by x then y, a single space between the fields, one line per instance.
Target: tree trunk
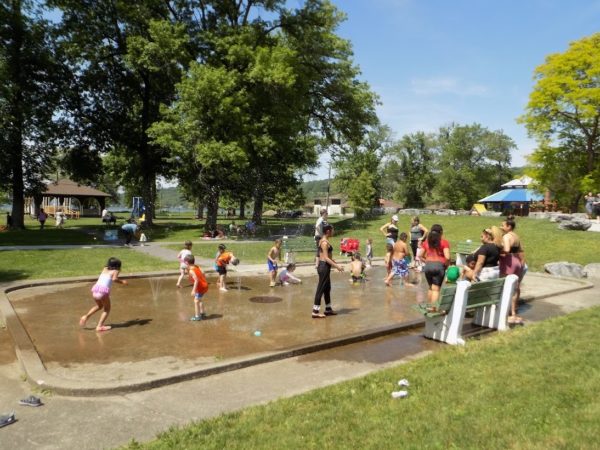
pixel 15 133
pixel 242 209
pixel 212 208
pixel 18 189
pixel 200 209
pixel 258 207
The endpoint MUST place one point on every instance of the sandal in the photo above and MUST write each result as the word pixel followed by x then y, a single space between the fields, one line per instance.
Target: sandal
pixel 103 328
pixel 31 401
pixel 515 320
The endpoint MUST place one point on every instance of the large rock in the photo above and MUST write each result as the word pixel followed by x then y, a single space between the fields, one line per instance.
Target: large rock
pixel 444 212
pixel 575 224
pixel 539 215
pixel 560 217
pixel 592 270
pixel 565 269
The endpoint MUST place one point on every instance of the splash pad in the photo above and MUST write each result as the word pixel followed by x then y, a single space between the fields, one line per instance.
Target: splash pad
pixel 153 342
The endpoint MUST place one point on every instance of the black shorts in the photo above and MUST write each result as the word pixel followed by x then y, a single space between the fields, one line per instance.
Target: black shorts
pixel 434 273
pixel 222 270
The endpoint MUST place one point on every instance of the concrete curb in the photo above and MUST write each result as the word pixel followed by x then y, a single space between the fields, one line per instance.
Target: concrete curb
pixel 38 375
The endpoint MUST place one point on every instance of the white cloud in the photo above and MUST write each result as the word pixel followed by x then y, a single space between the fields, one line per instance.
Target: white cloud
pixel 446 85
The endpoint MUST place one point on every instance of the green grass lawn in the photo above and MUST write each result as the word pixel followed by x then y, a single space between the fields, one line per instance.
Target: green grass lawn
pixel 530 388
pixel 542 240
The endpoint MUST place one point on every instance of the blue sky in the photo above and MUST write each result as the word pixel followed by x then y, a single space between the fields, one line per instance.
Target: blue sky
pixel 433 62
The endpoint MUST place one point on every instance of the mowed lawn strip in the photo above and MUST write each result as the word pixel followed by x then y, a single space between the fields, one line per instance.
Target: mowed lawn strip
pixel 40 264
pixel 534 388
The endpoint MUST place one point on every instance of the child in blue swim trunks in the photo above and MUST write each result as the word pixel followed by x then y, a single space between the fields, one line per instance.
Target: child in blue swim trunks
pixel 273 257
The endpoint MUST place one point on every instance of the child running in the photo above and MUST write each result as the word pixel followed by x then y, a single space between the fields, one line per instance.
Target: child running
pixel 101 293
pixel 357 269
pixel 369 254
pixel 223 259
pixel 199 288
pixel 273 257
pixel 399 264
pixel 183 267
pixel 286 276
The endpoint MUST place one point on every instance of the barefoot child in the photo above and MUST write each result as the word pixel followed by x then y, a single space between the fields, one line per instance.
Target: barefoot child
pixel 357 269
pixel 399 264
pixel 387 260
pixel 273 257
pixel 223 259
pixel 199 288
pixel 101 293
pixel 369 255
pixel 183 267
pixel 286 276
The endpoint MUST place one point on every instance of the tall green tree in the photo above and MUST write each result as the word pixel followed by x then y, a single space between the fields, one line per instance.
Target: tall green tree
pixel 358 169
pixel 30 82
pixel 126 58
pixel 409 168
pixel 473 162
pixel 564 109
pixel 292 86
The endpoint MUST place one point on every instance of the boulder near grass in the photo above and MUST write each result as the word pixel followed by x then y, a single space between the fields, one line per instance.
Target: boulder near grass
pixel 565 269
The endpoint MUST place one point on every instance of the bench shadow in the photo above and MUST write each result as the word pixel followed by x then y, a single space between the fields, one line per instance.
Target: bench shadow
pixel 131 323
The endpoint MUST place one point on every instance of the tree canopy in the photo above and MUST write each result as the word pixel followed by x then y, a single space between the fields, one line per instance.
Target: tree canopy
pixel 563 114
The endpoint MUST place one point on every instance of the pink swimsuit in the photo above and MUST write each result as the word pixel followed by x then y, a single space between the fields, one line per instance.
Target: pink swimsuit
pixel 102 287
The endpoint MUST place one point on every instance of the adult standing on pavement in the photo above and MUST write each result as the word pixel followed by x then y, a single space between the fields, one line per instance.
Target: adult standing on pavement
pixel 390 230
pixel 436 252
pixel 512 261
pixel 417 233
pixel 319 233
pixel 326 262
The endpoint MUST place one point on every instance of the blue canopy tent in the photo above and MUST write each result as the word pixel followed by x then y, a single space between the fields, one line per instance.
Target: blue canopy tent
pixel 513 195
pixel 513 201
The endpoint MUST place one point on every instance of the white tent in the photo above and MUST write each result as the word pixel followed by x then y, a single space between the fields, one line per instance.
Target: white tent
pixel 522 182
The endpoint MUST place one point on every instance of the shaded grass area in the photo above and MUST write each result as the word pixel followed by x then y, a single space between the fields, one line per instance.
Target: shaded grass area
pixel 532 388
pixel 39 264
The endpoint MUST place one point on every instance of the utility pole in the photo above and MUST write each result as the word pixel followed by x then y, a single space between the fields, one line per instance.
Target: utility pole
pixel 328 187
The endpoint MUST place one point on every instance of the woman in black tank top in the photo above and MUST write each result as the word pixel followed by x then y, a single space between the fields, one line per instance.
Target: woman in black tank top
pixel 326 262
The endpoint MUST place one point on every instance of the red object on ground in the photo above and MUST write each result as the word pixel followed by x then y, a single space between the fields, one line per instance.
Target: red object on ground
pixel 349 246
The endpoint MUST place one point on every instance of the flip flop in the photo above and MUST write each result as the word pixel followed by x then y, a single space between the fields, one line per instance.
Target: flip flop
pixel 515 320
pixel 7 419
pixel 103 328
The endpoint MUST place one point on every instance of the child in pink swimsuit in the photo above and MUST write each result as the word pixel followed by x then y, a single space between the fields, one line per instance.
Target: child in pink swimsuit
pixel 101 293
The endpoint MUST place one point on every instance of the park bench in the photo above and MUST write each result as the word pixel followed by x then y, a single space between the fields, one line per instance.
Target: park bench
pixel 463 249
pixel 490 300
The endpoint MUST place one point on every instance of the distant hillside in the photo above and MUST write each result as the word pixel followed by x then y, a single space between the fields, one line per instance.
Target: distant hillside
pixel 314 189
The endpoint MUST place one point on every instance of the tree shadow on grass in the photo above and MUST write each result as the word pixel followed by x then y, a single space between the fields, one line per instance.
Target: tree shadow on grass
pixel 13 275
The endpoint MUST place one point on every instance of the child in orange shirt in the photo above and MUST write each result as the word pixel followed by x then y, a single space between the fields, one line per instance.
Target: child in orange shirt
pixel 199 288
pixel 223 259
